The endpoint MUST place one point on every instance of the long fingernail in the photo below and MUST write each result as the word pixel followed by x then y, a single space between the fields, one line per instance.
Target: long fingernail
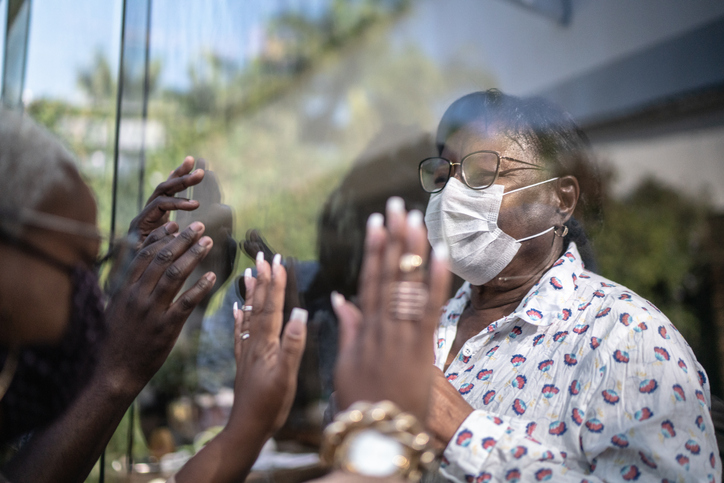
pixel 259 259
pixel 395 204
pixel 276 260
pixel 376 220
pixel 337 300
pixel 247 281
pixel 197 226
pixel 235 309
pixel 440 252
pixel 414 219
pixel 299 314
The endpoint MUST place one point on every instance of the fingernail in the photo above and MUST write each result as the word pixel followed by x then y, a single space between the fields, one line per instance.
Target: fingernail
pixel 211 277
pixel 259 258
pixel 277 259
pixel 235 309
pixel 337 300
pixel 205 241
pixel 395 205
pixel 414 219
pixel 299 314
pixel 197 226
pixel 376 220
pixel 247 273
pixel 440 252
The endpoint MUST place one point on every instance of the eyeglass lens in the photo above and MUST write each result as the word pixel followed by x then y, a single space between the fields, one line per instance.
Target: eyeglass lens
pixel 478 171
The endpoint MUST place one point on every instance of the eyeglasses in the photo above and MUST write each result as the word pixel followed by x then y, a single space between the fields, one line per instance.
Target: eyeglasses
pixel 479 170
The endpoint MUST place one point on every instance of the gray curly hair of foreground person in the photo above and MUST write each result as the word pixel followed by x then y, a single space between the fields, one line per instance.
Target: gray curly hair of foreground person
pixel 32 164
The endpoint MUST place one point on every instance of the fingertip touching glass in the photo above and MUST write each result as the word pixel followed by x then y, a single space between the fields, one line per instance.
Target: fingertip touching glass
pixel 479 169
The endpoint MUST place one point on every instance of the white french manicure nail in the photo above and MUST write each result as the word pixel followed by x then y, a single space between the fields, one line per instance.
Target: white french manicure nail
pixel 440 252
pixel 395 204
pixel 376 220
pixel 299 314
pixel 259 257
pixel 247 273
pixel 414 219
pixel 277 259
pixel 337 300
pixel 236 308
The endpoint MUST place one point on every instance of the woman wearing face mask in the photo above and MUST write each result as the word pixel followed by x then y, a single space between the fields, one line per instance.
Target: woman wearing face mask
pixel 71 365
pixel 551 372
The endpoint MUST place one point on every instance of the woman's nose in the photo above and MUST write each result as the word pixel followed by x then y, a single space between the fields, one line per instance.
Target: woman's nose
pixel 457 171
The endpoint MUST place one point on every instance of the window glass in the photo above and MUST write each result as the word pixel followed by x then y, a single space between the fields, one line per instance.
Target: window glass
pixel 308 115
pixel 70 84
pixel 3 20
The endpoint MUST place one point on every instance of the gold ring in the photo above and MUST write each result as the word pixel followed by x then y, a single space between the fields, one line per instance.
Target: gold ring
pixel 246 308
pixel 410 262
pixel 244 334
pixel 408 300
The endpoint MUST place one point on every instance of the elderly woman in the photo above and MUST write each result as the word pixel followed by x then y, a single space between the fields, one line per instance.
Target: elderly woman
pixel 553 372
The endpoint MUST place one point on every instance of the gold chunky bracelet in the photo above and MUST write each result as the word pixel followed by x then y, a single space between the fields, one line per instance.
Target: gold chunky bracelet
pixel 386 419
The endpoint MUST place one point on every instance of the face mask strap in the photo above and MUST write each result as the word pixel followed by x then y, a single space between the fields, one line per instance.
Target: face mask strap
pixel 530 186
pixel 535 236
pixel 23 246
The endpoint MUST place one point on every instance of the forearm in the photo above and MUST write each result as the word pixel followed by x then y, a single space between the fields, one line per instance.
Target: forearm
pixel 227 458
pixel 68 448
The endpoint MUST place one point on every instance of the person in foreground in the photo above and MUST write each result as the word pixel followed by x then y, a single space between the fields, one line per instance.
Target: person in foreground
pixel 72 366
pixel 551 372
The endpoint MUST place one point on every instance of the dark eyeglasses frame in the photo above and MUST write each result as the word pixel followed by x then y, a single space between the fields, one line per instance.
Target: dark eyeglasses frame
pixel 462 161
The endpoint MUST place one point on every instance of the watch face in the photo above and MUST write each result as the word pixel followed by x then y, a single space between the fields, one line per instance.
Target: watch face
pixel 374 454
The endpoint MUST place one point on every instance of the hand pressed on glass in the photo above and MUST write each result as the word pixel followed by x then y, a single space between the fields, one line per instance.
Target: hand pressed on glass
pixel 385 344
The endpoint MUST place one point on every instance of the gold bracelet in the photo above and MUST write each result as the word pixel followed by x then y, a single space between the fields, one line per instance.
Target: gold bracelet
pixel 386 419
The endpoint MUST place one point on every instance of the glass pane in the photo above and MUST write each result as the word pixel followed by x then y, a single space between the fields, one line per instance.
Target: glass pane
pixel 3 22
pixel 70 86
pixel 309 115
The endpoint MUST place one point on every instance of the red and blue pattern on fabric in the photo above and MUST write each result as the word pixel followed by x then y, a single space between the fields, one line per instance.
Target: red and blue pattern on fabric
pixel 584 381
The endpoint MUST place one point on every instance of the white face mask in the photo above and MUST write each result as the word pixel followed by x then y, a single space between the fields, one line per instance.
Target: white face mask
pixel 466 220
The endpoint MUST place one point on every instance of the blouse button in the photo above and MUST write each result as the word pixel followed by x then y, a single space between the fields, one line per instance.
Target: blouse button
pixel 467 352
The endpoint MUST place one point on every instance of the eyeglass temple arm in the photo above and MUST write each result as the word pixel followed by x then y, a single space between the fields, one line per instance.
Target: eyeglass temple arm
pixel 523 162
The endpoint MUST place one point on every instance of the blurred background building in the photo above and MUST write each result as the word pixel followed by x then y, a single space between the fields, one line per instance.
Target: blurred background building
pixel 284 97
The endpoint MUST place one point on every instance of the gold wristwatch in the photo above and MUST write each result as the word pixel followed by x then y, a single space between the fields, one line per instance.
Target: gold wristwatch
pixel 377 440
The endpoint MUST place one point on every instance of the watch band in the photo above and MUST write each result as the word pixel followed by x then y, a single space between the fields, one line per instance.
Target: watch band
pixel 385 418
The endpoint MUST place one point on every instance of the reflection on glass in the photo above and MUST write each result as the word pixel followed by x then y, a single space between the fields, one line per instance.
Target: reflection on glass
pixel 310 114
pixel 16 41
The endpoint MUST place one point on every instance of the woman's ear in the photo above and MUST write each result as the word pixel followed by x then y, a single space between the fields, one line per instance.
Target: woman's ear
pixel 568 191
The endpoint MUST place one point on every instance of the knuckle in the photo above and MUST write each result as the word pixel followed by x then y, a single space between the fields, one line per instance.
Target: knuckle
pixel 144 255
pixel 187 236
pixel 164 256
pixel 197 251
pixel 186 303
pixel 174 272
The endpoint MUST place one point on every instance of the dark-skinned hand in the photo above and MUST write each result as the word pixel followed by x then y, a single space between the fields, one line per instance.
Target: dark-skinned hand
pixel 143 314
pixel 163 200
pixel 382 357
pixel 255 243
pixel 267 367
pixel 266 378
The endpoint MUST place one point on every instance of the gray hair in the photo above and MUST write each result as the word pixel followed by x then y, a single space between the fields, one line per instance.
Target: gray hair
pixel 33 163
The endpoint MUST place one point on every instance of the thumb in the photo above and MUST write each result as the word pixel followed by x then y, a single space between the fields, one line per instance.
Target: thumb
pixel 350 320
pixel 294 339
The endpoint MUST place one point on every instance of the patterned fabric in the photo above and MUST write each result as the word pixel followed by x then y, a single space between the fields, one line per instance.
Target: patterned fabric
pixel 584 381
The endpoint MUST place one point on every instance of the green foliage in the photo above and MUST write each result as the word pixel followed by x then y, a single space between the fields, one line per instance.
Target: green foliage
pixel 649 243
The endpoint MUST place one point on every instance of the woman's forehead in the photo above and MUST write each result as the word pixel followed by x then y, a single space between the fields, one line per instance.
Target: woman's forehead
pixel 479 137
